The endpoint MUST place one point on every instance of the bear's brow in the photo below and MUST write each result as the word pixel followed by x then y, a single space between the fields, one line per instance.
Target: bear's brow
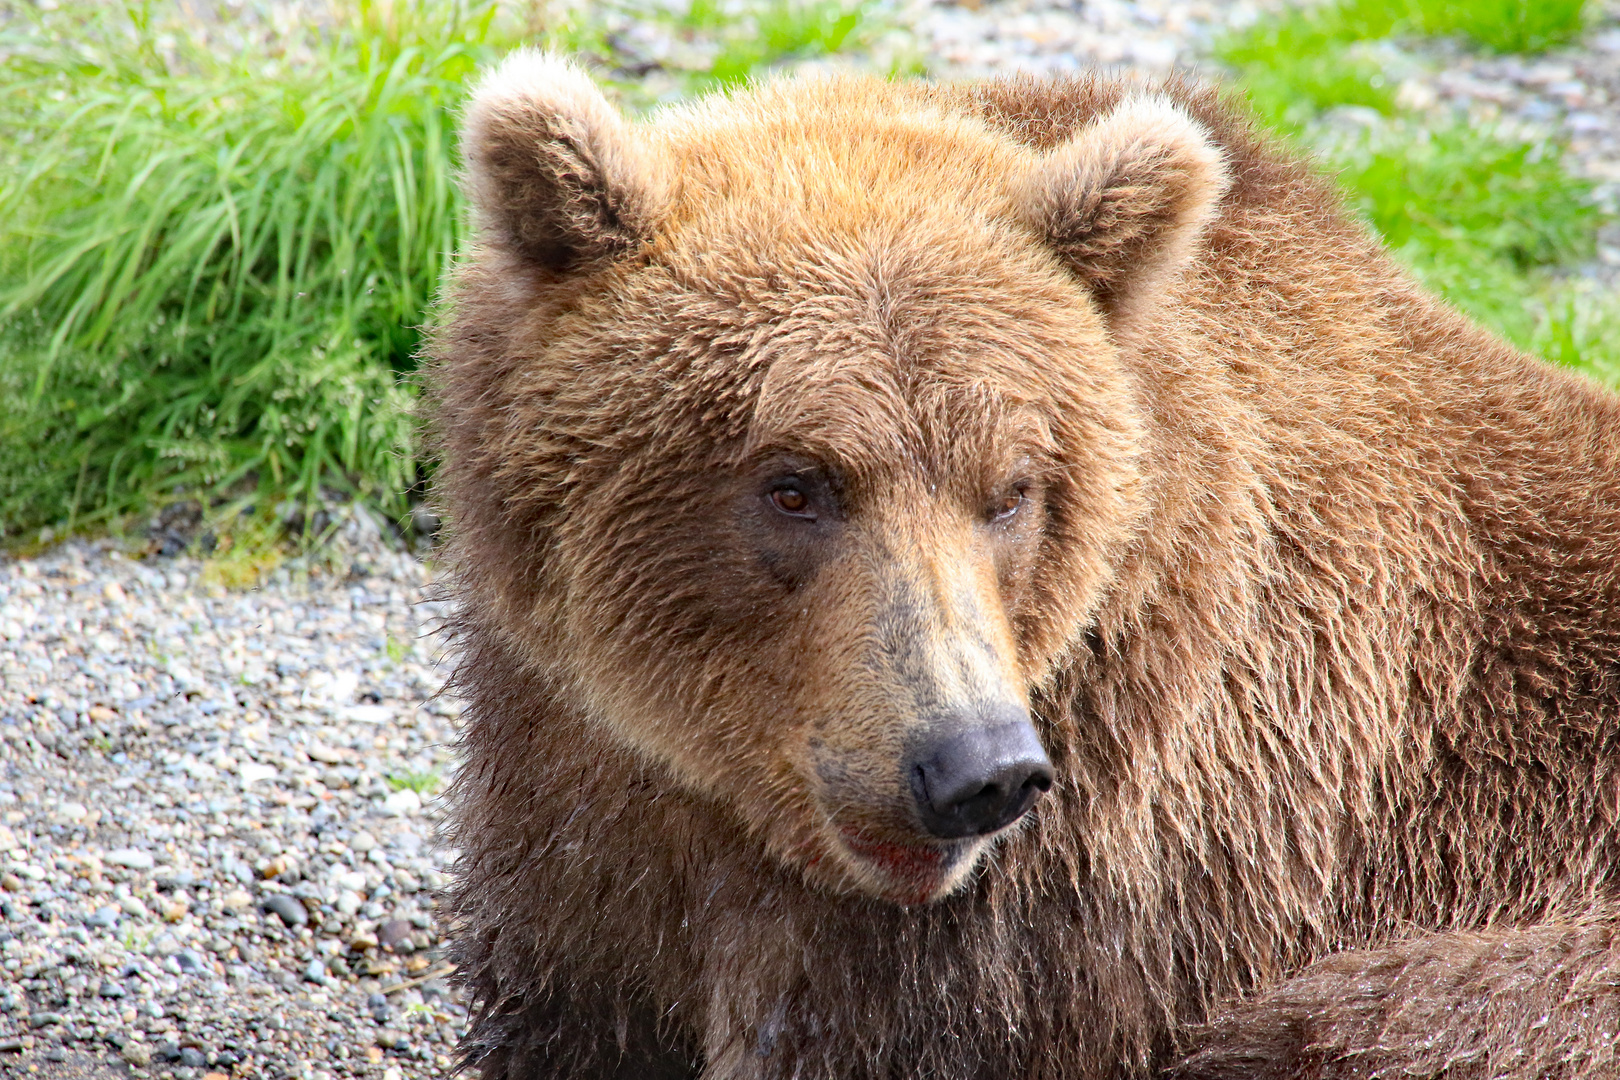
pixel 871 427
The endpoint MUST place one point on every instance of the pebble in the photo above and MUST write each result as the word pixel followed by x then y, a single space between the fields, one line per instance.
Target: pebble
pixel 393 932
pixel 132 858
pixel 103 918
pixel 291 910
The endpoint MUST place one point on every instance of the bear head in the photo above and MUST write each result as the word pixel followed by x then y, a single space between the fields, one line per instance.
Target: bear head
pixel 804 445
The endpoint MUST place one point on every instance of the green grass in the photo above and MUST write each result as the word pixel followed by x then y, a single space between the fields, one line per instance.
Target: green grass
pixel 1484 218
pixel 213 269
pixel 212 277
pixel 780 29
pixel 424 782
pixel 1506 26
pixel 1294 66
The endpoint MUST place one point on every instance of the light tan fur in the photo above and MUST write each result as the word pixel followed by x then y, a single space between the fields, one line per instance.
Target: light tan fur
pixel 1310 586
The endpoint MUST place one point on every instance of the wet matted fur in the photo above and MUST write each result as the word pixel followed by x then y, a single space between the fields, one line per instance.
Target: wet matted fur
pixel 1311 587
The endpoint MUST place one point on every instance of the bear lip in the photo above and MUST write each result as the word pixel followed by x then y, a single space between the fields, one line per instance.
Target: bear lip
pixel 913 872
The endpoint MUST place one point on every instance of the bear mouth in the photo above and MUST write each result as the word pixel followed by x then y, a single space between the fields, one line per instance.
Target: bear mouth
pixel 910 873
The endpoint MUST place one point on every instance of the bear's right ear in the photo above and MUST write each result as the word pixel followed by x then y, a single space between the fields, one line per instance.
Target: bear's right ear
pixel 1126 198
pixel 553 171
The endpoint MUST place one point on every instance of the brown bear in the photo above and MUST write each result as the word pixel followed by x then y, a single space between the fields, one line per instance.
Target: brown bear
pixel 1008 580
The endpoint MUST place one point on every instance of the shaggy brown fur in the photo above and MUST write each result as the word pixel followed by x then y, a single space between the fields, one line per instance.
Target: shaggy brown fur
pixel 1312 588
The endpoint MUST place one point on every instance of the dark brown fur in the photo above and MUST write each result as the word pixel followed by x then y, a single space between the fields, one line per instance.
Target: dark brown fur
pixel 1320 623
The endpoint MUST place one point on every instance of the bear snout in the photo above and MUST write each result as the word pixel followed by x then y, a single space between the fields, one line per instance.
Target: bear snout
pixel 975 777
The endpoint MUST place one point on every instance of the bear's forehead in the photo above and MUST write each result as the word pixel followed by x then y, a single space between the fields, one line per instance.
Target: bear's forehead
pixel 831 158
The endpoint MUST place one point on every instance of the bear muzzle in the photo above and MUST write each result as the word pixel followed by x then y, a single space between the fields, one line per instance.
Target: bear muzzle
pixel 973 778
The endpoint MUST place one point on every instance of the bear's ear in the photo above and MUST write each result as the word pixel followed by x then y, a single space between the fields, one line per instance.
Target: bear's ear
pixel 553 171
pixel 1125 199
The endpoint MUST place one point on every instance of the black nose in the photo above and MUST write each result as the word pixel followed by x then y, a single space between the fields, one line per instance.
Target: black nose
pixel 972 779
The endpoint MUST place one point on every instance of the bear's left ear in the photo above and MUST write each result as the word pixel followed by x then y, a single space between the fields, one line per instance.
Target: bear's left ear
pixel 1126 198
pixel 553 171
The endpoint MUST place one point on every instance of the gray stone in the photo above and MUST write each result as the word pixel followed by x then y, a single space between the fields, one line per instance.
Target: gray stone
pixel 104 918
pixel 289 909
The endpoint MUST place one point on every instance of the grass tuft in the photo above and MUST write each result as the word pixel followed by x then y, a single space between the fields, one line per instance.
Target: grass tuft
pixel 212 278
pixel 422 782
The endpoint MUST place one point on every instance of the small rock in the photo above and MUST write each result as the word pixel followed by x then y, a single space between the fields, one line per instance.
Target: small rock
pixel 237 900
pixel 133 858
pixel 192 1057
pixel 56 1054
pixel 289 908
pixel 44 1019
pixel 133 907
pixel 391 933
pixel 188 961
pixel 252 772
pixel 103 918
pixel 348 902
pixel 362 842
pixel 315 972
pixel 111 989
pixel 137 1054
pixel 402 803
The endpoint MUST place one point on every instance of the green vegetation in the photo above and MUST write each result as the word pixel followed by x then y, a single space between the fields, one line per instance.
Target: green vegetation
pixel 1481 216
pixel 422 782
pixel 214 269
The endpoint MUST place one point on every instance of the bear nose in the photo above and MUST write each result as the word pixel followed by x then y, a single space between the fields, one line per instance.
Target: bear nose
pixel 973 780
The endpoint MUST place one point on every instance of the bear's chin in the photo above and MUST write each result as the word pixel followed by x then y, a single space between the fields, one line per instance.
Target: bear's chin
pixel 908 874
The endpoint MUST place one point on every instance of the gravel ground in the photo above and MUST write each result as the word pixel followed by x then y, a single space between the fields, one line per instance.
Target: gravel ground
pixel 215 854
pixel 214 857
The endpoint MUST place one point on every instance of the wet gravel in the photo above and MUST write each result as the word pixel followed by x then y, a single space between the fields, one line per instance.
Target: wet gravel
pixel 217 821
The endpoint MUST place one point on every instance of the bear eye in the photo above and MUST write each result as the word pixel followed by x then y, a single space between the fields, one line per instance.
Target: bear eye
pixel 1008 505
pixel 791 501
